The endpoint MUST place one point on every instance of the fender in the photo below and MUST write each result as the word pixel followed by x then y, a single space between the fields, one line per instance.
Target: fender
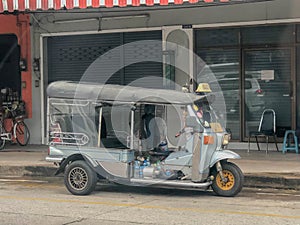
pixel 102 172
pixel 221 155
pixel 72 158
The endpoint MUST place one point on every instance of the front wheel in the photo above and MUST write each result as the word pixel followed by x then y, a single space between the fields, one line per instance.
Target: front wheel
pixel 80 178
pixel 22 133
pixel 234 180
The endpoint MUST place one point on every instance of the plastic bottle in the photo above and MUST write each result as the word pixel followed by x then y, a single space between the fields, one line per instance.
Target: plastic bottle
pixel 157 169
pixel 141 172
pixel 136 169
pixel 163 145
pixel 147 162
pixel 168 173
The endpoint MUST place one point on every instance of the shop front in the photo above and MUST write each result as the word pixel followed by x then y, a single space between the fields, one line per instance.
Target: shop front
pixel 254 66
pixel 252 57
pixel 15 62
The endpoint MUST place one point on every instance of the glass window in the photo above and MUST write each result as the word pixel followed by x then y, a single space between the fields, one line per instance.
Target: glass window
pixel 298 32
pixel 226 85
pixel 267 34
pixel 298 88
pixel 248 84
pixel 116 125
pixel 178 56
pixel 269 72
pixel 222 73
pixel 217 37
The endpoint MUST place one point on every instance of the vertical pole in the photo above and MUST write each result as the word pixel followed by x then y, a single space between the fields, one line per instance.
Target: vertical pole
pixel 42 90
pixel 99 127
pixel 131 128
pixel 196 158
pixel 48 122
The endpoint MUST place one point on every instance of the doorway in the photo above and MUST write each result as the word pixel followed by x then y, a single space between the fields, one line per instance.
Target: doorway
pixel 267 85
pixel 178 56
pixel 10 74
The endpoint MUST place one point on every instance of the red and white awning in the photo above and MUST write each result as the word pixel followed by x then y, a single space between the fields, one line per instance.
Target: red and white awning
pixel 33 5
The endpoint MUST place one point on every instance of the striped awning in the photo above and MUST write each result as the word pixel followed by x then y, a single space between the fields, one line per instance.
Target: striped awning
pixel 33 5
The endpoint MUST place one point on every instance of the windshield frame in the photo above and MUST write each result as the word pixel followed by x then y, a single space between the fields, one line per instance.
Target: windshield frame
pixel 213 118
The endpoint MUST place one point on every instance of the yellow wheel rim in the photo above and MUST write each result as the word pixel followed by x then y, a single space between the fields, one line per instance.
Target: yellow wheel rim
pixel 228 184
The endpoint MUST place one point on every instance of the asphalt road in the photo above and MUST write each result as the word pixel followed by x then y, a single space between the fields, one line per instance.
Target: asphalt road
pixel 25 201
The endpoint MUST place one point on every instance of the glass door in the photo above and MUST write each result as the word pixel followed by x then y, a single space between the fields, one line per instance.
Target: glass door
pixel 267 85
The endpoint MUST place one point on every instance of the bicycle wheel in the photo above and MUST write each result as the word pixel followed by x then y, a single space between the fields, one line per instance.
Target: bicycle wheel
pixel 22 133
pixel 2 143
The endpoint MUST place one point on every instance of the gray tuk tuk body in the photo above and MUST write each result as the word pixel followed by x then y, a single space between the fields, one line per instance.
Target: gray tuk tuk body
pixel 137 136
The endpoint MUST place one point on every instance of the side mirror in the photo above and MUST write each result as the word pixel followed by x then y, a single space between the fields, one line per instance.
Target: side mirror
pixel 191 121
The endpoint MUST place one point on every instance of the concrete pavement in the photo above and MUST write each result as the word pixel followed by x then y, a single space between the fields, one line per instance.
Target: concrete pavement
pixel 275 170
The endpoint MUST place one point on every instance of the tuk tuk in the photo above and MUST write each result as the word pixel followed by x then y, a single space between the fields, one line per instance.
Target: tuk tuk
pixel 138 136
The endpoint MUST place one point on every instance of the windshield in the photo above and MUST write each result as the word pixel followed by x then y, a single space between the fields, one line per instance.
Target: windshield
pixel 204 112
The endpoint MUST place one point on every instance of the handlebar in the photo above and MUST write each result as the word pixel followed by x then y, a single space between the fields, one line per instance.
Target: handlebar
pixel 8 109
pixel 10 112
pixel 179 133
pixel 187 130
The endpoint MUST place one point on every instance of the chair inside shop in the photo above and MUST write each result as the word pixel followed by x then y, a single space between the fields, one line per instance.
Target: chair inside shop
pixel 266 129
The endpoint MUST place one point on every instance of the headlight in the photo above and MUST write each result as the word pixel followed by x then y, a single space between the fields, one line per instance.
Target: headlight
pixel 226 139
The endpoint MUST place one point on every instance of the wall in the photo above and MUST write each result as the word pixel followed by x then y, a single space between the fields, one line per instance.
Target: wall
pixel 19 25
pixel 167 16
pixel 251 13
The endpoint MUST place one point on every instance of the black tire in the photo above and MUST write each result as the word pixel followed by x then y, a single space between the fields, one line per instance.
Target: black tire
pixel 22 133
pixel 235 180
pixel 80 178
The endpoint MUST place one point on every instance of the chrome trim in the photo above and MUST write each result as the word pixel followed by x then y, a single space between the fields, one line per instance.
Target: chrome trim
pixel 69 138
pixel 54 159
pixel 173 183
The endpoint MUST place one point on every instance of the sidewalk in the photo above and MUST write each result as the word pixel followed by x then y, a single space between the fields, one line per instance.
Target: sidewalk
pixel 272 170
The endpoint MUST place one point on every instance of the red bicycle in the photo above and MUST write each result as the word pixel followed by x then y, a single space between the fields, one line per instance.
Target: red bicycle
pixel 13 127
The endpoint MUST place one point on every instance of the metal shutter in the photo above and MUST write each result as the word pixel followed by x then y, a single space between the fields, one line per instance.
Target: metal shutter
pixel 147 54
pixel 70 56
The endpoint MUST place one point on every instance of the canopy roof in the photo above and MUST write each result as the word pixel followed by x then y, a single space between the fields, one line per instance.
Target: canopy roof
pixel 38 5
pixel 118 93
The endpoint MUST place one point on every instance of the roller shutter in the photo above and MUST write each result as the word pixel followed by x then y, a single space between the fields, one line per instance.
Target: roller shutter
pixel 141 51
pixel 69 57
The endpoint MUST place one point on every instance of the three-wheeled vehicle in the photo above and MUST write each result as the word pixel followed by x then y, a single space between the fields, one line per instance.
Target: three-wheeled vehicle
pixel 138 136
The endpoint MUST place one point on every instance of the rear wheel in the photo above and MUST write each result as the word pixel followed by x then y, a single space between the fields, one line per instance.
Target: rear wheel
pixel 234 180
pixel 80 178
pixel 22 133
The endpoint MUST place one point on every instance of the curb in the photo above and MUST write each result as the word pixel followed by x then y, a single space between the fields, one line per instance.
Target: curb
pixel 278 181
pixel 33 171
pixel 264 180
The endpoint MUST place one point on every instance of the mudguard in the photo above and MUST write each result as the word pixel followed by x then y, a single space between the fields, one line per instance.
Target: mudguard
pixel 75 157
pixel 221 155
pixel 101 171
